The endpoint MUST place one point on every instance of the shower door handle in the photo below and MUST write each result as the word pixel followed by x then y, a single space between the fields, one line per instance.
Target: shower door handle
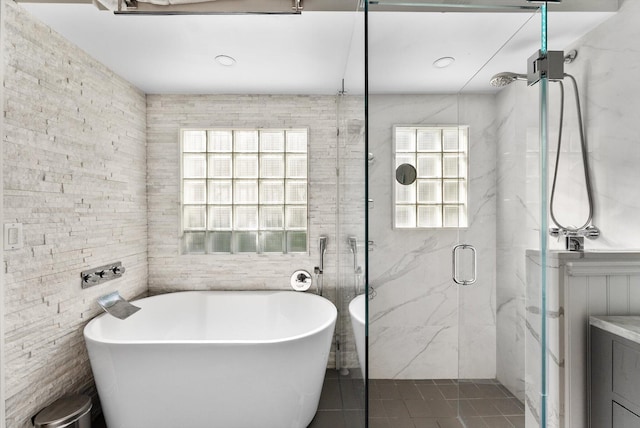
pixel 456 250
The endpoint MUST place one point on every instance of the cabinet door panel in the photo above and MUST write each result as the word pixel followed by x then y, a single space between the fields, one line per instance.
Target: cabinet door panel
pixel 626 376
pixel 622 418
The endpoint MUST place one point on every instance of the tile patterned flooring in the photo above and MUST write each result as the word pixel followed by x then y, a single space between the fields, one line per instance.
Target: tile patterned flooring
pixel 342 402
pixel 436 403
pixel 413 404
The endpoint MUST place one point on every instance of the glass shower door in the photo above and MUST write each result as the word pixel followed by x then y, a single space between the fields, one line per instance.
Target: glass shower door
pixel 349 235
pixel 456 166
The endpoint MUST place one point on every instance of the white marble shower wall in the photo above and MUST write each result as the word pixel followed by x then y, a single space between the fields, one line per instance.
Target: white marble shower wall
pixel 607 73
pixel 609 90
pixel 518 195
pixel 416 322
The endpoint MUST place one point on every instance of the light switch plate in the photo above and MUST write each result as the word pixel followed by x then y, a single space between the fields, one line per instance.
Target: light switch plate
pixel 13 239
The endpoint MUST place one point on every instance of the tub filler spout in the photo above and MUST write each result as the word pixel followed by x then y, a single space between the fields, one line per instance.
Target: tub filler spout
pixel 114 304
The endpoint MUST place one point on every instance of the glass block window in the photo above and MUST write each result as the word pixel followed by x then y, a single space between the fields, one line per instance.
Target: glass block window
pixel 438 196
pixel 244 191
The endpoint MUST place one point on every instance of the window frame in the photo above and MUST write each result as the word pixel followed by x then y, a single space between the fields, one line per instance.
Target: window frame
pixel 464 205
pixel 233 230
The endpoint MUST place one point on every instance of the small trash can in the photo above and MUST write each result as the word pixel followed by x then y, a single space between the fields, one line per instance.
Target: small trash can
pixel 73 411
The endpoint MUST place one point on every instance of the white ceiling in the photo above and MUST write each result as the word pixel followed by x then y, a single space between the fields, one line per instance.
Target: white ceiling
pixel 311 53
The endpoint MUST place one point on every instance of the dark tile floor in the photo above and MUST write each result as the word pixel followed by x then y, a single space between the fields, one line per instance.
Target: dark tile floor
pixel 98 422
pixel 342 402
pixel 413 404
pixel 437 404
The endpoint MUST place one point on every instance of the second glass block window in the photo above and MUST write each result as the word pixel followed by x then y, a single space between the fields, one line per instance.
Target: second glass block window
pixel 438 197
pixel 244 190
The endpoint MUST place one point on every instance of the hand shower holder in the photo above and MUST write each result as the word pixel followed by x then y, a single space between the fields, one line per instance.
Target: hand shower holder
pixel 319 270
pixel 549 65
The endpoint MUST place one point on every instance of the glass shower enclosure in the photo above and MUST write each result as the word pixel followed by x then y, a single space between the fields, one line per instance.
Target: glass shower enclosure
pixel 456 192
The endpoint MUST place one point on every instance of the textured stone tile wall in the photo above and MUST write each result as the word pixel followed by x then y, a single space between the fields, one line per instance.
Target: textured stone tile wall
pixel 166 115
pixel 74 176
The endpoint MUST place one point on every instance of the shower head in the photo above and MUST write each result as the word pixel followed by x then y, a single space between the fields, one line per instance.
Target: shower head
pixel 506 78
pixel 323 244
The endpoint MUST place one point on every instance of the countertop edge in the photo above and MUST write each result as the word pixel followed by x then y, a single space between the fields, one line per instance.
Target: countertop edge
pixel 627 327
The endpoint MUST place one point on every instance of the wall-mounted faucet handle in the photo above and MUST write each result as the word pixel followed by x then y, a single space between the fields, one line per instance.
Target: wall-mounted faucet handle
pixel 300 280
pixel 118 270
pixel 89 278
pixel 317 270
pixel 591 232
pixel 100 274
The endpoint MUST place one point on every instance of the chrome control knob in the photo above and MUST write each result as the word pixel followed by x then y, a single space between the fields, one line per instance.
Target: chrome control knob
pixel 118 270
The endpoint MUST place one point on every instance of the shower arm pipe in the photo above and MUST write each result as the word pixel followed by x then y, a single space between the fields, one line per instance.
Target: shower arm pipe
pixel 585 158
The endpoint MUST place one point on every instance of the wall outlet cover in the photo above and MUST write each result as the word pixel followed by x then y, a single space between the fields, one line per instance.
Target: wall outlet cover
pixel 13 237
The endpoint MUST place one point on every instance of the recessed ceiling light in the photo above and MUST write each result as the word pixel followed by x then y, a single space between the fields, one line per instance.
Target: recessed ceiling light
pixel 225 60
pixel 443 62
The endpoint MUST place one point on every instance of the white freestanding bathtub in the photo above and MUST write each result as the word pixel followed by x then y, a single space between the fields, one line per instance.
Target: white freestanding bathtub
pixel 215 359
pixel 357 311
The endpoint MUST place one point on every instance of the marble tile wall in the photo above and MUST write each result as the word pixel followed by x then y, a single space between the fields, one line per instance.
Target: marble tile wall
pixel 74 175
pixel 609 95
pixel 414 319
pixel 608 57
pixel 517 221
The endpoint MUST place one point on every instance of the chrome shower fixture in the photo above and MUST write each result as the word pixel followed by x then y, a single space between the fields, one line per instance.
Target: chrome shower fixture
pixel 323 249
pixel 570 56
pixel 506 78
pixel 353 244
pixel 549 65
pixel 319 270
pixel 574 236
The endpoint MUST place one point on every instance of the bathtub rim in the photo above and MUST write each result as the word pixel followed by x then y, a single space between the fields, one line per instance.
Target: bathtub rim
pixel 88 329
pixel 355 309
